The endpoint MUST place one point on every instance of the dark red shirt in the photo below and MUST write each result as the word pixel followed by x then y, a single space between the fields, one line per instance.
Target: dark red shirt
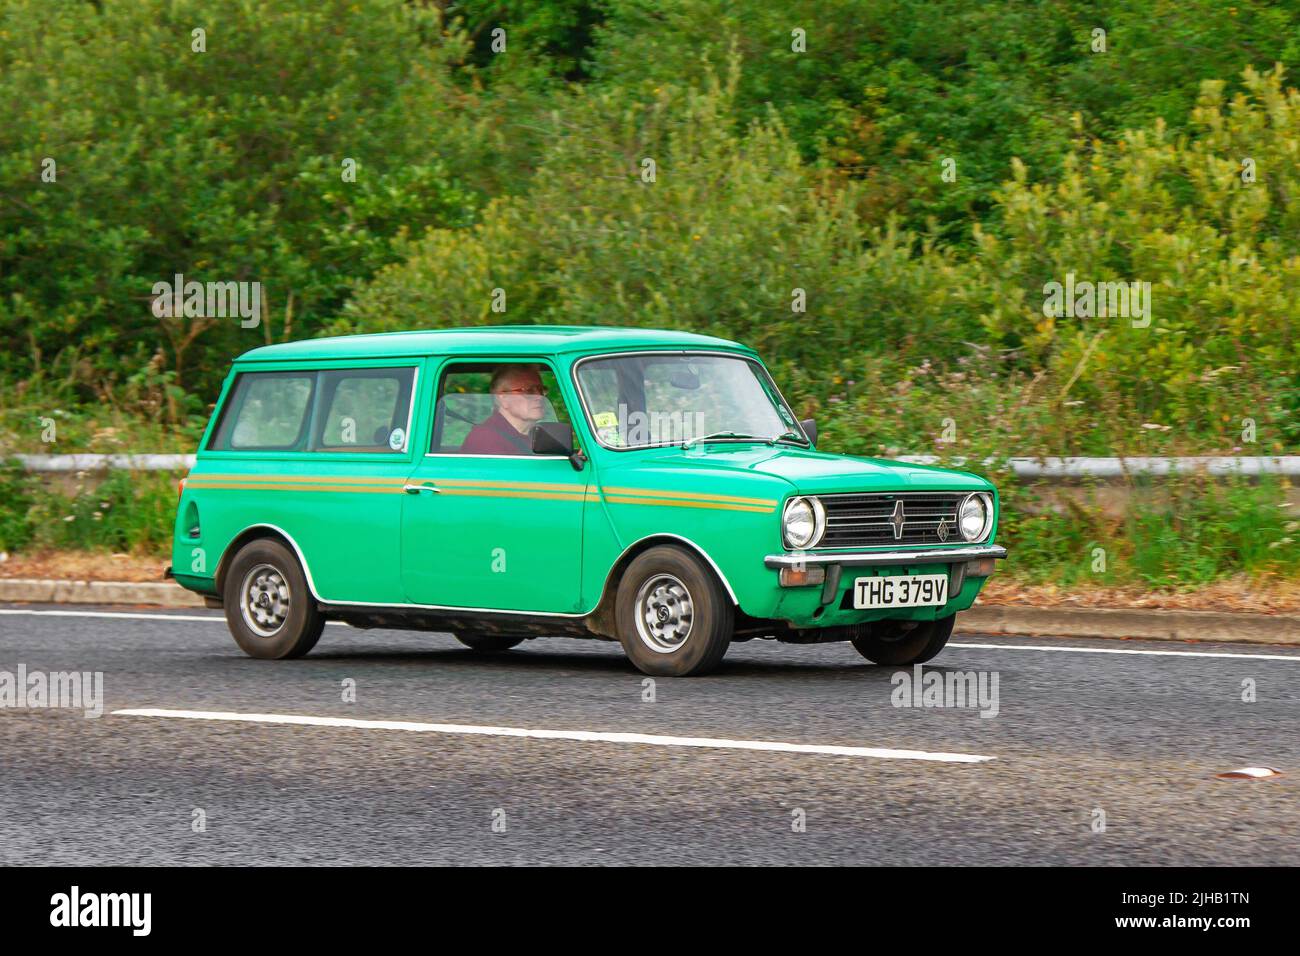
pixel 496 436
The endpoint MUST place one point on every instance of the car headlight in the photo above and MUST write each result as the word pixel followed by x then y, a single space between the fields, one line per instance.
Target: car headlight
pixel 975 516
pixel 803 522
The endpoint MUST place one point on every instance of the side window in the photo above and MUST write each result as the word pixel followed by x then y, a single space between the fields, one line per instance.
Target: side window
pixel 490 408
pixel 265 411
pixel 363 410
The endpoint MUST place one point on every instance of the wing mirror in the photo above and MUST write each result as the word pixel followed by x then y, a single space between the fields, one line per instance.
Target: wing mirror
pixel 809 428
pixel 556 438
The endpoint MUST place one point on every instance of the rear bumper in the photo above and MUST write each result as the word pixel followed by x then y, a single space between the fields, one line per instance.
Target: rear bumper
pixel 867 559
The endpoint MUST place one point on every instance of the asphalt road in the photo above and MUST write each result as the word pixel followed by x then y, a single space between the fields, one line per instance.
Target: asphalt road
pixel 1138 736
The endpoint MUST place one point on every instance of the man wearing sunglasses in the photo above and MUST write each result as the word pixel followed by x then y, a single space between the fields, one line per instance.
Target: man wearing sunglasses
pixel 519 400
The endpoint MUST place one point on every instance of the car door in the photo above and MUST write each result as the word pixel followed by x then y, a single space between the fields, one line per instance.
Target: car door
pixel 485 523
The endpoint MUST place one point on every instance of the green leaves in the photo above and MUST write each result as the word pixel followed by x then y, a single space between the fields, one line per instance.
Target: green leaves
pixel 376 168
pixel 223 165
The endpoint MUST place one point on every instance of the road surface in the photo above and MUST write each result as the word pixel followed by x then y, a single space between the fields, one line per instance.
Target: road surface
pixel 1134 731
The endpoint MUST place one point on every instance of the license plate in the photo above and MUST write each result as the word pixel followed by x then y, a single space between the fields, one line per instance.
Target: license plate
pixel 901 590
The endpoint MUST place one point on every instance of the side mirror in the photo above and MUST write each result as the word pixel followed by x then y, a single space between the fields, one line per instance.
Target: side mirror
pixel 810 429
pixel 556 438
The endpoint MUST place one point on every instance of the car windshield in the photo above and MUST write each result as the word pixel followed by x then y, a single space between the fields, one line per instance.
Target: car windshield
pixel 635 401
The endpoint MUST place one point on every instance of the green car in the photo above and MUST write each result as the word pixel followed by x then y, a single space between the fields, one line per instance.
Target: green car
pixel 501 484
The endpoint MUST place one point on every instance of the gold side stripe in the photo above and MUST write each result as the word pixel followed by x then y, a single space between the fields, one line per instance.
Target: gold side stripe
pixel 657 493
pixel 702 496
pixel 488 489
pixel 371 489
pixel 508 493
pixel 300 479
pixel 520 485
pixel 468 492
pixel 672 503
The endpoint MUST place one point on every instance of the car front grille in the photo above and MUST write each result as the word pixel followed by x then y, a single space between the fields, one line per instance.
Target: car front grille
pixel 856 521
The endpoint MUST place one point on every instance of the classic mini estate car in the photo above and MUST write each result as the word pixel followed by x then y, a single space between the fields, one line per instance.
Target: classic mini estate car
pixel 508 483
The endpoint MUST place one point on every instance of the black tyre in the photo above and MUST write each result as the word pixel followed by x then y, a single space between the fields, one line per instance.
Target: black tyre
pixel 488 643
pixel 269 608
pixel 904 642
pixel 674 619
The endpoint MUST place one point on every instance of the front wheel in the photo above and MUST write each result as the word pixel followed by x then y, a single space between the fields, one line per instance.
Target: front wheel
pixel 904 642
pixel 674 619
pixel 269 609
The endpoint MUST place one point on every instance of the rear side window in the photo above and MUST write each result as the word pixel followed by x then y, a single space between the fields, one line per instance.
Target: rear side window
pixel 266 411
pixel 363 410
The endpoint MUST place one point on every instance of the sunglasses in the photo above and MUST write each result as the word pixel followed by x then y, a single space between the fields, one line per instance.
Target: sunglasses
pixel 526 390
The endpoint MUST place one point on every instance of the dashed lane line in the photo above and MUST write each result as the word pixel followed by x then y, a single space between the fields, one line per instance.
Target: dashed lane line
pixel 582 736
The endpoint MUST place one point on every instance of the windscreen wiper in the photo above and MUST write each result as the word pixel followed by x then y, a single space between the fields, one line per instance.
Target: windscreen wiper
pixel 718 436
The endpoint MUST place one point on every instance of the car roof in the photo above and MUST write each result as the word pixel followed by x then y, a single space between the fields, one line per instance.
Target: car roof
pixel 504 339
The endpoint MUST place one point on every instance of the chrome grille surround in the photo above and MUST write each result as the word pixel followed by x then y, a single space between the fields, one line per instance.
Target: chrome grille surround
pixel 885 519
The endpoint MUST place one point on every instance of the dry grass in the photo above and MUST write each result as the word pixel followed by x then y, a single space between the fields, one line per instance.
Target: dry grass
pixel 84 566
pixel 1240 593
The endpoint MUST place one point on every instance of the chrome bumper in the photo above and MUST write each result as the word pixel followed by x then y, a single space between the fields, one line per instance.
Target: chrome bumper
pixel 864 559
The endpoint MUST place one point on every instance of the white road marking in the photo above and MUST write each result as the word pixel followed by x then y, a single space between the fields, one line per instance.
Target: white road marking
pixel 1002 647
pixel 124 614
pixel 1126 650
pixel 139 616
pixel 586 736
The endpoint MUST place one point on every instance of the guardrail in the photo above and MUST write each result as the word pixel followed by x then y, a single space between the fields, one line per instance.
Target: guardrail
pixel 57 463
pixel 1021 467
pixel 1121 467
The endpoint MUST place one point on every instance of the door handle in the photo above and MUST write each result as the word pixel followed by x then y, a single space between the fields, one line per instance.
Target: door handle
pixel 416 489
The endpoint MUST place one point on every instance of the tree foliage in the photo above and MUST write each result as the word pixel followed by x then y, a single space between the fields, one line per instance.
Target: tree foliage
pixel 784 176
pixel 219 165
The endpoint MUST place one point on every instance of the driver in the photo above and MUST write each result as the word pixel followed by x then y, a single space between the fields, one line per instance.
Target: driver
pixel 519 401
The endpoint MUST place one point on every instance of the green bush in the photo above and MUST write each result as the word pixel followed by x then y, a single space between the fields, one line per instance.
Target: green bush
pixel 122 511
pixel 1177 532
pixel 15 505
pixel 734 222
pixel 889 88
pixel 224 165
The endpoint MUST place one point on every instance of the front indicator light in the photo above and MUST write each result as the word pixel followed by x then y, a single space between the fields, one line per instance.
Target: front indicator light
pixel 798 577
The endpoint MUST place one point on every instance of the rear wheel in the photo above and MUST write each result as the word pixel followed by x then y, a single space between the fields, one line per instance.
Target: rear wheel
pixel 269 608
pixel 674 619
pixel 903 642
pixel 488 643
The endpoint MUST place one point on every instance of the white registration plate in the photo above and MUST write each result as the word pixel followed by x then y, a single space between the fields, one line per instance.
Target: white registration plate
pixel 901 590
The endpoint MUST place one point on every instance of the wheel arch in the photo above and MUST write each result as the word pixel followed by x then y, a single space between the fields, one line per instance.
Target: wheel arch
pixel 601 620
pixel 255 533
